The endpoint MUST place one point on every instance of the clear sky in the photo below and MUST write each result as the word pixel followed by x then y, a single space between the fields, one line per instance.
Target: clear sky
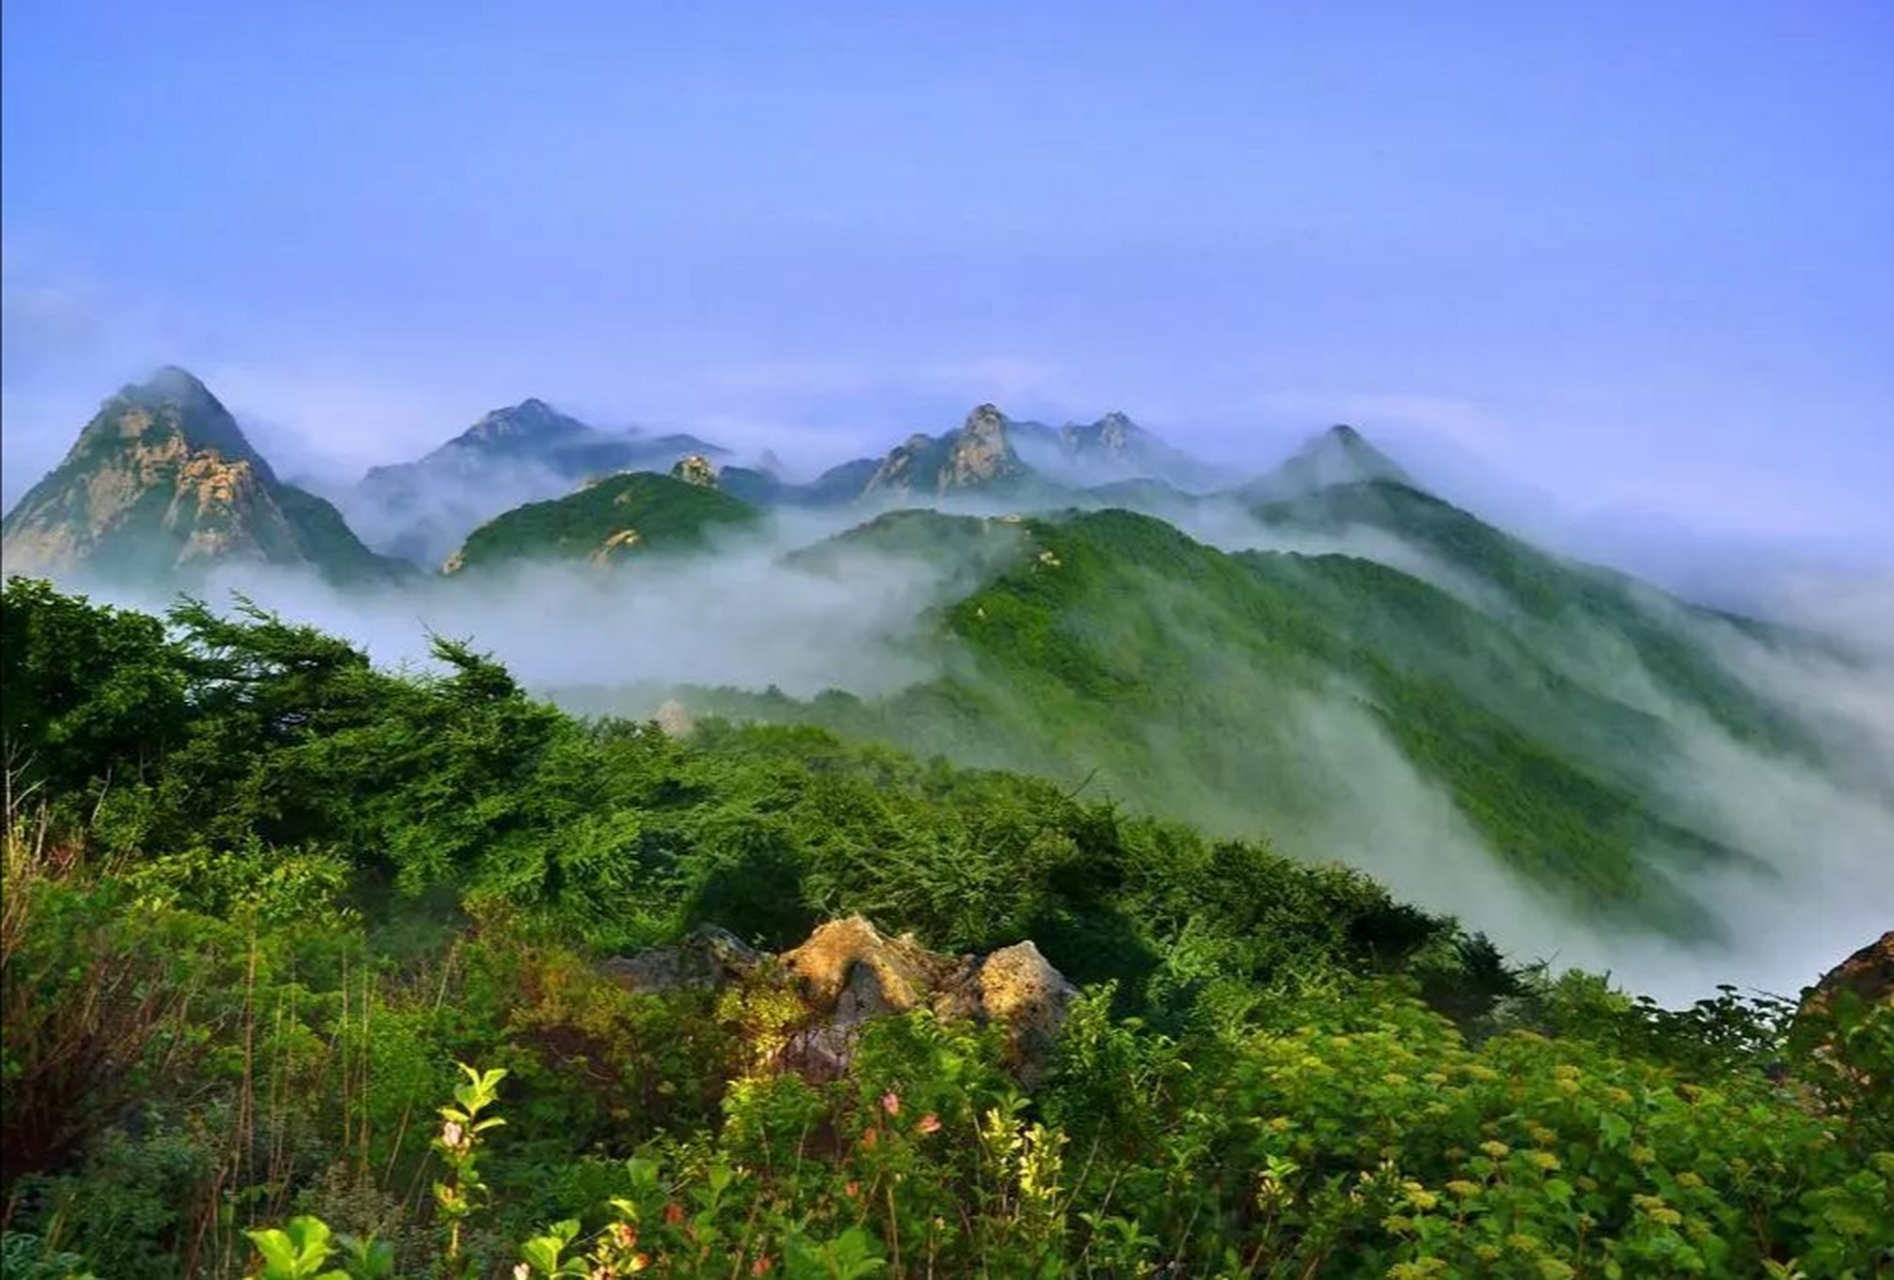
pixel 1637 256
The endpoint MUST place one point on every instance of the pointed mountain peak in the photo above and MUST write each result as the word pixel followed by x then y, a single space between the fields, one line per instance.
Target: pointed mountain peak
pixel 978 453
pixel 161 483
pixel 1113 434
pixel 172 404
pixel 1360 460
pixel 986 420
pixel 169 383
pixel 523 424
pixel 1340 455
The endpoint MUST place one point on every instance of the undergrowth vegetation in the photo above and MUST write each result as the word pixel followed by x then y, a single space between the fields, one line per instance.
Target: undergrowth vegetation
pixel 262 898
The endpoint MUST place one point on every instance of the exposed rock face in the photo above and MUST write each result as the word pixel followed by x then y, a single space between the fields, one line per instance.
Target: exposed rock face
pixel 695 469
pixel 161 485
pixel 977 455
pixel 981 453
pixel 1114 436
pixel 848 972
pixel 707 957
pixel 1869 973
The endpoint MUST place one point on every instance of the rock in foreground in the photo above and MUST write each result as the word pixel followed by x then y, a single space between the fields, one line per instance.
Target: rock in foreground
pixel 848 972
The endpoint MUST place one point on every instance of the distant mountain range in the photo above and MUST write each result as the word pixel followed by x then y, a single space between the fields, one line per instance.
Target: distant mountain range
pixel 1538 707
pixel 422 510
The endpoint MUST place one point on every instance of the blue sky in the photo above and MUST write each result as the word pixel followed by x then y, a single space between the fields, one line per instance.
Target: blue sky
pixel 1635 258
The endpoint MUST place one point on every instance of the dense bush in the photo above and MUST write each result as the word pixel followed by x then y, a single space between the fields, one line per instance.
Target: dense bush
pixel 261 897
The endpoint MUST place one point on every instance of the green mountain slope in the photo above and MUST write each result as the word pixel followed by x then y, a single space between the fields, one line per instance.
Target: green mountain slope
pixel 270 894
pixel 1568 610
pixel 162 486
pixel 528 452
pixel 614 520
pixel 1111 647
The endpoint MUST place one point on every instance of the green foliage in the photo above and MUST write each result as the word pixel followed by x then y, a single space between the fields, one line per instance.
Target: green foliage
pixel 91 692
pixel 1242 691
pixel 238 977
pixel 664 513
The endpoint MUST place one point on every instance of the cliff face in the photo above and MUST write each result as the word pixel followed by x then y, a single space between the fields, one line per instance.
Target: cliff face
pixel 975 456
pixel 160 486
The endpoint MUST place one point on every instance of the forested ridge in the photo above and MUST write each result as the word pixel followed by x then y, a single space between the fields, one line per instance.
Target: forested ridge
pixel 263 897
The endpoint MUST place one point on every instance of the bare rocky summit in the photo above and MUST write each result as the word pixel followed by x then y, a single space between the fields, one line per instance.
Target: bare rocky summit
pixel 161 486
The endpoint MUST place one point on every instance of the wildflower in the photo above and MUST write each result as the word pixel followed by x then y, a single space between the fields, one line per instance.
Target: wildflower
pixel 674 1213
pixel 852 1190
pixel 1464 1189
pixel 1543 1160
pixel 762 1265
pixel 1689 1179
pixel 1497 1150
pixel 930 1123
pixel 522 1272
pixel 869 1139
pixel 891 1103
pixel 452 1135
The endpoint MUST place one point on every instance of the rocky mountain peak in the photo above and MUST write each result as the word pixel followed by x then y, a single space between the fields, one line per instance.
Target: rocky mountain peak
pixel 171 413
pixel 695 469
pixel 531 421
pixel 1339 455
pixel 162 482
pixel 981 452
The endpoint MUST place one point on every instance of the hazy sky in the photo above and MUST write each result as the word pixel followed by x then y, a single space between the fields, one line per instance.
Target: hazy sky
pixel 1639 256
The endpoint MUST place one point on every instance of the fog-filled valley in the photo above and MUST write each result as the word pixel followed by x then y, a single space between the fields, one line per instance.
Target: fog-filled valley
pixel 1018 787
pixel 1587 770
pixel 904 642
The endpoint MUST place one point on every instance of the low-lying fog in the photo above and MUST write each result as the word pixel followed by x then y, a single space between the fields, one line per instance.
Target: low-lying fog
pixel 738 615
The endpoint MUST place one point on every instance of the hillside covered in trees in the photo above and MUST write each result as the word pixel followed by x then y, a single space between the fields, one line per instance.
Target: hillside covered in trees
pixel 261 897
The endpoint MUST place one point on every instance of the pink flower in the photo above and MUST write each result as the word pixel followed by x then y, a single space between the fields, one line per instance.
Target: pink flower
pixel 930 1123
pixel 891 1103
